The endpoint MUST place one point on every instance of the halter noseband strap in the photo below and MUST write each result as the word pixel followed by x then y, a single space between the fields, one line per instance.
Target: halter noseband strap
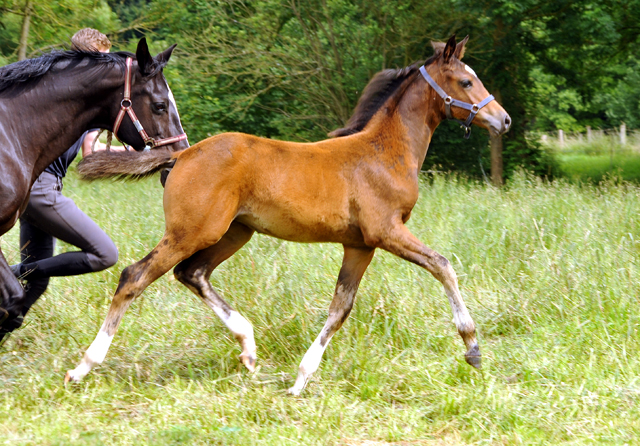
pixel 126 106
pixel 449 101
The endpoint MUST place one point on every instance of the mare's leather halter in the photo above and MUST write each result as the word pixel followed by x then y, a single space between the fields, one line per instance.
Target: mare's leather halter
pixel 126 106
pixel 449 101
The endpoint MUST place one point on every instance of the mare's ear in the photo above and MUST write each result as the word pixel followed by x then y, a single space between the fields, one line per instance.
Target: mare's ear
pixel 449 49
pixel 145 60
pixel 438 47
pixel 459 53
pixel 164 56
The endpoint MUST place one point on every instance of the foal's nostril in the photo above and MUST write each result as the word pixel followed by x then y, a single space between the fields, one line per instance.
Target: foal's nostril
pixel 507 122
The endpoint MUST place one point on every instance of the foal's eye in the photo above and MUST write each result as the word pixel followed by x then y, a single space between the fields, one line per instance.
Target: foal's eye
pixel 466 83
pixel 160 106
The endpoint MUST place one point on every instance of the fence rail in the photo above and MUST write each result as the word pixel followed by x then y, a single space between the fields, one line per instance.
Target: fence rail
pixel 620 136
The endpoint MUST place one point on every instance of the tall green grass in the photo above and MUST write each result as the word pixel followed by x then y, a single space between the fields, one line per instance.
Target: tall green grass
pixel 550 273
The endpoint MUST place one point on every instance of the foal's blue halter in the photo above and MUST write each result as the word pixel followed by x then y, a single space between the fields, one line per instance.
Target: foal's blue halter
pixel 449 101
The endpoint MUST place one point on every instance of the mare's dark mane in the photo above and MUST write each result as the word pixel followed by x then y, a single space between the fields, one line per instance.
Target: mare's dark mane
pixel 25 73
pixel 380 88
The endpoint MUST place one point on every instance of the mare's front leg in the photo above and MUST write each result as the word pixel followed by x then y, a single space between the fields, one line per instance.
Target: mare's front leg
pixel 133 281
pixel 11 292
pixel 354 264
pixel 401 242
pixel 11 299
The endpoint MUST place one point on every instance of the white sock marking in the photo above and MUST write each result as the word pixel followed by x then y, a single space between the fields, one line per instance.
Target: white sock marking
pixel 95 355
pixel 309 364
pixel 99 347
pixel 313 356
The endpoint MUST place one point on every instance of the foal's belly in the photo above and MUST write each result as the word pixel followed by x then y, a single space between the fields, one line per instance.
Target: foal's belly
pixel 319 224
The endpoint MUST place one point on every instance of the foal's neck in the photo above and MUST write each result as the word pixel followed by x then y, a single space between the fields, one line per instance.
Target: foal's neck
pixel 419 115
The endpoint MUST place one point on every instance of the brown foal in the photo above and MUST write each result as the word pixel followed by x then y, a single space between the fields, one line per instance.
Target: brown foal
pixel 357 189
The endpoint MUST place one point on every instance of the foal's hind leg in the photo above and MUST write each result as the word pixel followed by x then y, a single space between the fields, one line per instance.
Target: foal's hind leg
pixel 401 242
pixel 195 271
pixel 354 264
pixel 133 281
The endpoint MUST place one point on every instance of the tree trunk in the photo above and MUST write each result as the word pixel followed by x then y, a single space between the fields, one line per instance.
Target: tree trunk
pixel 496 152
pixel 496 160
pixel 24 35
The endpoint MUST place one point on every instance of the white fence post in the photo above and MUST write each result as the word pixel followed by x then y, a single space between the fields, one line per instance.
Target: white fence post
pixel 589 135
pixel 561 138
pixel 623 134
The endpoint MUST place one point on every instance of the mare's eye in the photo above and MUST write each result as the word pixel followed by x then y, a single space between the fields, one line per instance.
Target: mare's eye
pixel 466 83
pixel 159 106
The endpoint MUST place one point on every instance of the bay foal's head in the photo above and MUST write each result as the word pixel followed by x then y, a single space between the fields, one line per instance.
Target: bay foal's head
pixel 153 104
pixel 465 90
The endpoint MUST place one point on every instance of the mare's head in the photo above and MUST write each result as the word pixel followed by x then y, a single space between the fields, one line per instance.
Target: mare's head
pixel 466 93
pixel 152 102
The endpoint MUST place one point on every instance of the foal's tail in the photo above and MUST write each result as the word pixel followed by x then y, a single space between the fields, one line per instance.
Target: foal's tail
pixel 128 165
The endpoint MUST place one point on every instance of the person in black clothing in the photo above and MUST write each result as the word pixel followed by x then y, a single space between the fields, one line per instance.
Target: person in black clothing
pixel 50 215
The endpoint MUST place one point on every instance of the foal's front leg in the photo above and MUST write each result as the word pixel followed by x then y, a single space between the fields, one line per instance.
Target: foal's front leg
pixel 401 242
pixel 354 264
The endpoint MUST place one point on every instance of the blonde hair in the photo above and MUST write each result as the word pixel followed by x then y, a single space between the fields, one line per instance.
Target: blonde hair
pixel 89 39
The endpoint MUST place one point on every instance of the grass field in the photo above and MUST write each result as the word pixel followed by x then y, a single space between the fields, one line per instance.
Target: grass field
pixel 550 273
pixel 602 158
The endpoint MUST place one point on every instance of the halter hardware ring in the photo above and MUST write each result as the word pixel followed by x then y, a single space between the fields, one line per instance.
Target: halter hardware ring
pixel 126 103
pixel 448 100
pixel 475 108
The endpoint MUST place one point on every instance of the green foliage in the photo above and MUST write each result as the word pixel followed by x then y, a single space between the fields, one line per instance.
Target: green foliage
pixel 295 70
pixel 555 104
pixel 622 103
pixel 52 24
pixel 449 152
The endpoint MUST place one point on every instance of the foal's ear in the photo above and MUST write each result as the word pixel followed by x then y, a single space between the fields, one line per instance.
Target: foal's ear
pixel 164 56
pixel 459 53
pixel 145 60
pixel 449 49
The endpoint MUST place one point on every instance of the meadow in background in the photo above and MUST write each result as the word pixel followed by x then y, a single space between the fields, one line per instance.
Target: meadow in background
pixel 549 271
pixel 603 156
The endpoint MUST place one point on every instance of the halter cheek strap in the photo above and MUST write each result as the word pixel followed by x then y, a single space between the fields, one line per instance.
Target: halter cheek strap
pixel 449 101
pixel 126 107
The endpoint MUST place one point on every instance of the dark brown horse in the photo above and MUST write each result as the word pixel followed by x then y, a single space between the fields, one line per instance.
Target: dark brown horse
pixel 48 102
pixel 357 190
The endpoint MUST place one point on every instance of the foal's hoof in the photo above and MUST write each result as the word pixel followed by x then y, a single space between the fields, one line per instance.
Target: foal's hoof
pixel 293 391
pixel 475 361
pixel 69 378
pixel 473 357
pixel 249 362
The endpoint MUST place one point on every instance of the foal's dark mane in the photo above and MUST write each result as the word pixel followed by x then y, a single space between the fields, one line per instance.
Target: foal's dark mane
pixel 381 87
pixel 25 73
